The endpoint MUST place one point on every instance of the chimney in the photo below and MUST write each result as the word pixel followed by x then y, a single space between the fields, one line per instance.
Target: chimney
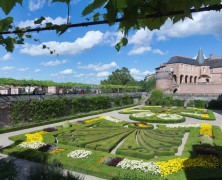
pixel 211 56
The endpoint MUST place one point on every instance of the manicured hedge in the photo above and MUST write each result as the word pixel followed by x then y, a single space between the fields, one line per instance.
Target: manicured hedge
pixel 157 120
pixel 137 127
pixel 210 112
pixel 42 123
pixel 42 110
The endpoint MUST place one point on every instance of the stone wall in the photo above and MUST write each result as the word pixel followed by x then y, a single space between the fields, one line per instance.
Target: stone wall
pixel 200 89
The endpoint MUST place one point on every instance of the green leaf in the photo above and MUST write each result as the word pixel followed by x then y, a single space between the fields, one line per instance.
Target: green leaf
pixel 62 1
pixel 123 42
pixel 43 46
pixel 28 36
pixel 8 5
pixel 9 44
pixel 91 7
pixel 5 23
pixel 48 24
pixel 36 39
pixel 39 21
pixel 61 29
pixel 96 17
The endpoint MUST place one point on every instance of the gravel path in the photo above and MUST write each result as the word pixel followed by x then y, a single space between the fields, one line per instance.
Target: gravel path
pixel 181 147
pixel 4 141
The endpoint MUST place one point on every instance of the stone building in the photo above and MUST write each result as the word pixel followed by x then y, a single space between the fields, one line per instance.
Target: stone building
pixel 198 75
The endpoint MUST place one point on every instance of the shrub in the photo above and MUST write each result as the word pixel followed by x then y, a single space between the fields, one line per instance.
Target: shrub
pixel 200 103
pixel 8 169
pixel 51 172
pixel 114 161
pixel 215 104
pixel 66 124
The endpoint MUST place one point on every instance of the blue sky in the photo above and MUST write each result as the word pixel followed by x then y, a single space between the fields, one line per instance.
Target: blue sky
pixel 87 54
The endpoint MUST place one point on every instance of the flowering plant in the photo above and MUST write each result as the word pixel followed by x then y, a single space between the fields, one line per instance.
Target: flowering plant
pixel 55 151
pixel 94 119
pixel 151 167
pixel 206 129
pixel 183 125
pixel 79 154
pixel 31 145
pixel 143 114
pixel 141 124
pixel 109 118
pixel 169 116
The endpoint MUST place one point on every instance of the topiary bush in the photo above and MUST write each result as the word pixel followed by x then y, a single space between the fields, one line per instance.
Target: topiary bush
pixel 66 124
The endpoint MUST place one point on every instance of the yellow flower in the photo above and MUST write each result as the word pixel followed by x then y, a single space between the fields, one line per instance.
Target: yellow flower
pixel 175 165
pixel 126 111
pixel 55 151
pixel 34 137
pixel 206 129
pixel 94 119
pixel 205 115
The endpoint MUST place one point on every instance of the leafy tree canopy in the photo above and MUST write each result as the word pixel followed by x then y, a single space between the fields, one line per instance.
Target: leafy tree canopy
pixel 148 85
pixel 131 14
pixel 120 77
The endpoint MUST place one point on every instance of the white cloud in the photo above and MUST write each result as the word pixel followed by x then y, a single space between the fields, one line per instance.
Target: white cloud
pixel 158 51
pixel 23 69
pixel 59 20
pixel 141 37
pixel 139 50
pixel 54 63
pixel 79 75
pixel 112 38
pixel 139 75
pixel 37 70
pixel 103 74
pixel 6 68
pixel 36 4
pixel 202 23
pixel 91 39
pixel 67 72
pixel 99 67
pixel 6 57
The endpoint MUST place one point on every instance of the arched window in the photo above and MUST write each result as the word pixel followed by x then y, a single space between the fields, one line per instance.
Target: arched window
pixel 181 79
pixel 175 78
pixel 186 79
pixel 191 79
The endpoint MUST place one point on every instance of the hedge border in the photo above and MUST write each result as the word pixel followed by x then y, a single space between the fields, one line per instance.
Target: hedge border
pixel 151 126
pixel 211 116
pixel 158 120
pixel 63 119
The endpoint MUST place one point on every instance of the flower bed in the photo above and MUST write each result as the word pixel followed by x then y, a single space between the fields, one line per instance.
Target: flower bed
pixel 79 154
pixel 142 114
pixel 94 119
pixel 131 111
pixel 157 118
pixel 206 129
pixel 109 118
pixel 183 125
pixel 202 114
pixel 32 145
pixel 141 125
pixel 169 116
pixel 175 165
pixel 142 166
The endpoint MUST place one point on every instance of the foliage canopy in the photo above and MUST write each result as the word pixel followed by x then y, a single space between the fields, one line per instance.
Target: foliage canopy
pixel 151 14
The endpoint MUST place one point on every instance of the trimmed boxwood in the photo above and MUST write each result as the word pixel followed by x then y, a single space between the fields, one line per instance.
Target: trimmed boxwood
pixel 156 120
pixel 210 112
pixel 137 127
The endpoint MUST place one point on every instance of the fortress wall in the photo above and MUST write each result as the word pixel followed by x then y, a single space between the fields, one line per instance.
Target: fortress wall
pixel 200 89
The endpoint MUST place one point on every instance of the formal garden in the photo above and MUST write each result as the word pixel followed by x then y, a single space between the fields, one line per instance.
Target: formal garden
pixel 112 148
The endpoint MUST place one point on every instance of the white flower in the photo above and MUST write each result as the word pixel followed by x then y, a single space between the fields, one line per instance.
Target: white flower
pixel 79 154
pixel 151 167
pixel 32 145
pixel 169 116
pixel 189 113
pixel 109 118
pixel 183 125
pixel 143 114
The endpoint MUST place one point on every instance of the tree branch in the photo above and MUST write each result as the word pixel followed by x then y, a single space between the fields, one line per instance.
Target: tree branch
pixel 85 24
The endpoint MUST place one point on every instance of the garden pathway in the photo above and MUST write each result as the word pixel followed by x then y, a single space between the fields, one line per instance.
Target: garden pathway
pixel 4 141
pixel 181 147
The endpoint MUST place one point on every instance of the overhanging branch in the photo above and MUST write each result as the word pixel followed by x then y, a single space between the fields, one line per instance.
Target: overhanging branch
pixel 85 24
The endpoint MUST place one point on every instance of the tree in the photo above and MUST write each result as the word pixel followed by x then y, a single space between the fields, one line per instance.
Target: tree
pixel 148 85
pixel 120 77
pixel 131 14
